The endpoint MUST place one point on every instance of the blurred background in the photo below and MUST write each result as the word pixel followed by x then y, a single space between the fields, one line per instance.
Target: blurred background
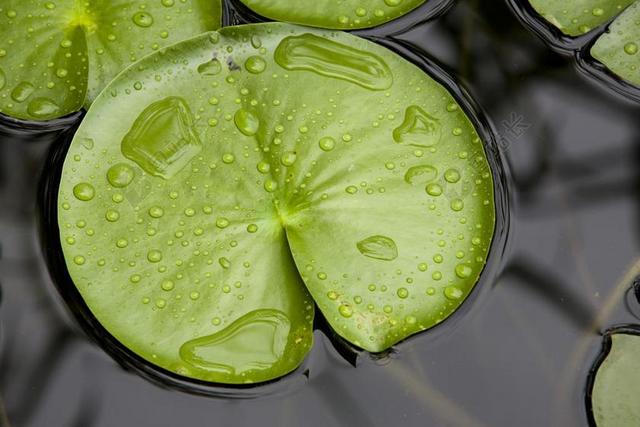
pixel 518 356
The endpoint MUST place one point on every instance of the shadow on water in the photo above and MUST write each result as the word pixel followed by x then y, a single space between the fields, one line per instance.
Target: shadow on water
pixel 572 148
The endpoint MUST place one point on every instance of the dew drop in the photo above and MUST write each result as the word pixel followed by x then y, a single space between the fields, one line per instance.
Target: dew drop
pixel 345 310
pixel 288 158
pixel 120 175
pixel 327 143
pixel 255 64
pixel 433 189
pixel 142 19
pixel 453 293
pixel 156 212
pixel 210 68
pixel 42 108
pixel 246 122
pixel 270 185
pixel 420 174
pixel 378 247
pixel 84 191
pixel 22 91
pixel 154 255
pixel 631 48
pixel 463 271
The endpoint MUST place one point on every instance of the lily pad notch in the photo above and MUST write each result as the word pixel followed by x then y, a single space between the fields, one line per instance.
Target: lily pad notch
pixel 236 242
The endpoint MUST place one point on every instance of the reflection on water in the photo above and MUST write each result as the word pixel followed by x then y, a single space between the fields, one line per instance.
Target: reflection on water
pixel 520 355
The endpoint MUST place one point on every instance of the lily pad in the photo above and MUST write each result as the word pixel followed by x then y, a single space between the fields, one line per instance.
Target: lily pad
pixel 577 17
pixel 618 48
pixel 56 56
pixel 200 214
pixel 615 398
pixel 333 14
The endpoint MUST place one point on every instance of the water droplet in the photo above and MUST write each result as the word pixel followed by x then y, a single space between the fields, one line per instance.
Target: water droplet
pixel 253 342
pixel 452 176
pixel 79 260
pixel 328 58
pixel 453 293
pixel 422 266
pixel 42 108
pixel 120 175
pixel 420 174
pixel 351 189
pixel 167 285
pixel 263 167
pixel 252 228
pixel 457 205
pixel 255 64
pixel 22 91
pixel 419 128
pixel 433 189
pixel 270 185
pixel 222 222
pixel 210 68
pixel 463 271
pixel 327 143
pixel 631 48
pixel 142 19
pixel 345 310
pixel 403 293
pixel 154 255
pixel 392 3
pixel 163 139
pixel 3 79
pixel 84 191
pixel 288 158
pixel 378 247
pixel 168 3
pixel 156 212
pixel 224 262
pixel 246 122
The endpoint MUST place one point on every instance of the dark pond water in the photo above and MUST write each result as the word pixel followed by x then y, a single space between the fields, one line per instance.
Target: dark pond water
pixel 518 356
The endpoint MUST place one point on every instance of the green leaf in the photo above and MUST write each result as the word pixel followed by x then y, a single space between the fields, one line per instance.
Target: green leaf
pixel 617 49
pixel 616 388
pixel 577 17
pixel 345 15
pixel 56 56
pixel 287 159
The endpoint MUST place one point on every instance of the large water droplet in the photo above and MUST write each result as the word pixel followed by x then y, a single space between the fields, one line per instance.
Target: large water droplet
pixel 3 79
pixel 142 19
pixel 418 128
pixel 255 64
pixel 22 91
pixel 328 58
pixel 327 143
pixel 254 342
pixel 246 122
pixel 42 108
pixel 163 139
pixel 210 68
pixel 84 191
pixel 378 247
pixel 120 175
pixel 421 174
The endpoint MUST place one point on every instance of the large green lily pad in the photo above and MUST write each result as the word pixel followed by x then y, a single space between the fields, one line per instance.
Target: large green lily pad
pixel 57 55
pixel 219 185
pixel 615 396
pixel 577 17
pixel 618 48
pixel 334 14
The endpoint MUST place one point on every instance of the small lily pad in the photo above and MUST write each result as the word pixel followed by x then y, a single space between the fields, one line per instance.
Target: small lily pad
pixel 577 17
pixel 618 48
pixel 615 397
pixel 56 56
pixel 203 215
pixel 333 14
